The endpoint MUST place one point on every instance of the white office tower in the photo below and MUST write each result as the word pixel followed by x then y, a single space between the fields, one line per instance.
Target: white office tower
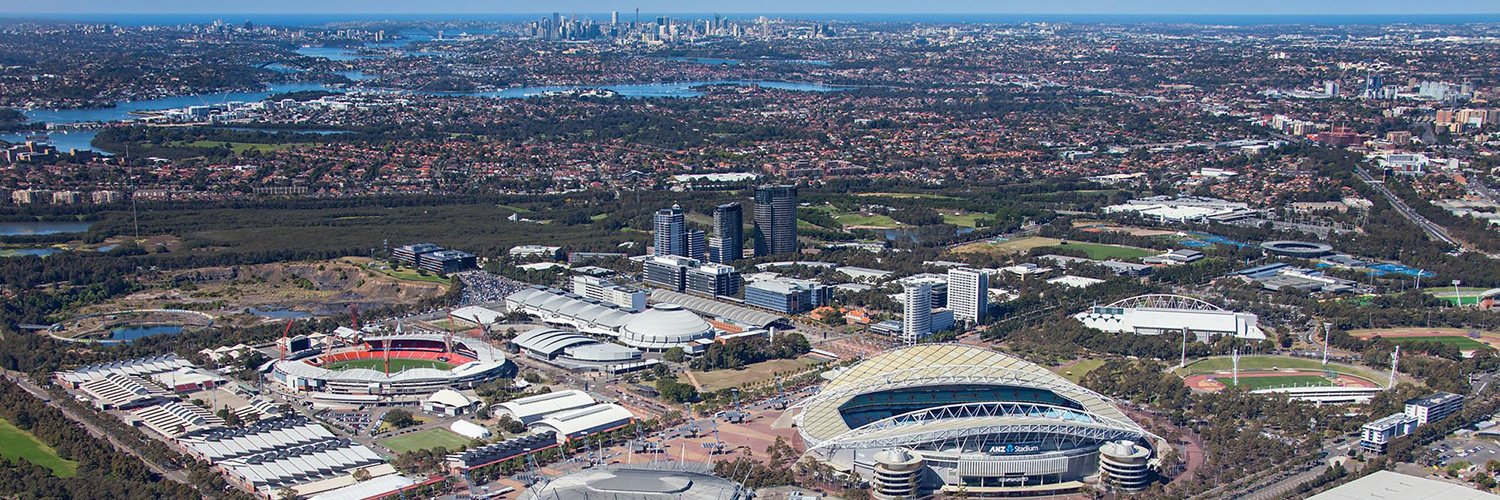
pixel 604 290
pixel 671 232
pixel 916 319
pixel 969 295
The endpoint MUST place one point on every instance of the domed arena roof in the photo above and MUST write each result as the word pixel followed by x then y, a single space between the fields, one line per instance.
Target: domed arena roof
pixel 665 326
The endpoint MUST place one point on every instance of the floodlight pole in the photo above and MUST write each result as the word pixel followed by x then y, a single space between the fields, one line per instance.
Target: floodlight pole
pixel 1395 359
pixel 1235 358
pixel 1182 362
pixel 1327 328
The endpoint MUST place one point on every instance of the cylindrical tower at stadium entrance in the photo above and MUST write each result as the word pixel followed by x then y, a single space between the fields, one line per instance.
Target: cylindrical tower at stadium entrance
pixel 1125 465
pixel 897 474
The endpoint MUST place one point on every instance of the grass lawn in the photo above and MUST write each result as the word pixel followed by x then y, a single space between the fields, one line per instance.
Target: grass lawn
pixel 423 440
pixel 1256 383
pixel 598 217
pixel 1076 372
pixel 519 210
pixel 397 364
pixel 1099 251
pixel 242 147
pixel 16 443
pixel 1017 245
pixel 860 219
pixel 1463 343
pixel 1468 300
pixel 755 373
pixel 966 220
pixel 803 224
pixel 907 196
pixel 412 275
pixel 1223 364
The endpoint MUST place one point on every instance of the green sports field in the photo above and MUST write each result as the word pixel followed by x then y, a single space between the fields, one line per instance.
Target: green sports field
pixel 428 439
pixel 1463 343
pixel 16 443
pixel 397 364
pixel 1247 363
pixel 1099 251
pixel 1255 383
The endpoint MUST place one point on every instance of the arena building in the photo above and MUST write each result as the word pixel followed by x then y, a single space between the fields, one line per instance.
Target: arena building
pixel 579 352
pixel 1163 314
pixel 947 418
pixel 652 481
pixel 1298 249
pixel 658 328
pixel 388 367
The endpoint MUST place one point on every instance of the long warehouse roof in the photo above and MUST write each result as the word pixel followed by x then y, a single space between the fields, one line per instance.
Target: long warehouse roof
pixel 715 308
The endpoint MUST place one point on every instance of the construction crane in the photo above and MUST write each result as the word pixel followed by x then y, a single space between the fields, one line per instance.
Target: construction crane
pixel 283 343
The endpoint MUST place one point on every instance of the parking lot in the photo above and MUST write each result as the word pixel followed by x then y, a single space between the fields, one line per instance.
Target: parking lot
pixel 1467 450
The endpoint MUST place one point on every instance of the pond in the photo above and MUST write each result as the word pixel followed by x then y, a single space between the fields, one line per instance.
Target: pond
pixel 129 333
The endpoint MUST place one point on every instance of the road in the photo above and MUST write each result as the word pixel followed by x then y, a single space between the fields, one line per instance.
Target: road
pixel 1433 231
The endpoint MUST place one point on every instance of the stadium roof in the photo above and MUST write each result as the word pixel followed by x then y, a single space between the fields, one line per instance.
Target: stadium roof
pixel 639 482
pixel 141 366
pixel 373 488
pixel 532 408
pixel 1396 486
pixel 715 308
pixel 665 326
pixel 588 419
pixel 948 365
pixel 484 315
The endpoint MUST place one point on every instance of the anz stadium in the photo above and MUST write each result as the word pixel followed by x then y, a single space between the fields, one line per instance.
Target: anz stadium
pixel 955 418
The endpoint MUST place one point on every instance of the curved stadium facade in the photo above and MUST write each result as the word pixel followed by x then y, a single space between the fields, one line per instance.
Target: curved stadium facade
pixel 975 420
pixel 472 362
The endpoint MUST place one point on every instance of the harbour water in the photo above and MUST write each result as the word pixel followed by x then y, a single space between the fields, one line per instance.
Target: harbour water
pixel 42 227
pixel 123 109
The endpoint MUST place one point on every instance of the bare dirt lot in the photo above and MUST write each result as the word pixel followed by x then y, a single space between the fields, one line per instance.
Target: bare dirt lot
pixel 319 288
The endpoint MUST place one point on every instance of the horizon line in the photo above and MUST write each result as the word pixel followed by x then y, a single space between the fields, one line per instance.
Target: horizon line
pixel 929 13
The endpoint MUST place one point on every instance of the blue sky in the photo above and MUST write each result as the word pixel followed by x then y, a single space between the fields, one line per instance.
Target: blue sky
pixel 1262 7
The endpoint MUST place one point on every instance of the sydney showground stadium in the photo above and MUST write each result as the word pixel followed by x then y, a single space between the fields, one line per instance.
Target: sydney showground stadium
pixel 955 418
pixel 383 368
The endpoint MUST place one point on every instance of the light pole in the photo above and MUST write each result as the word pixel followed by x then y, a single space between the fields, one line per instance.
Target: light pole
pixel 1458 300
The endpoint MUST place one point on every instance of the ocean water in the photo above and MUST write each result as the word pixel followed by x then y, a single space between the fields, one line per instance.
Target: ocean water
pixel 1213 19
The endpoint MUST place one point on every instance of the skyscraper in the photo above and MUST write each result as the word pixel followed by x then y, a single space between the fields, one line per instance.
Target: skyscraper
pixel 614 17
pixel 969 295
pixel 728 243
pixel 916 316
pixel 775 220
pixel 671 232
pixel 696 246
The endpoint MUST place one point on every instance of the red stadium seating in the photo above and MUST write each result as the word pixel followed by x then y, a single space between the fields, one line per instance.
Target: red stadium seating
pixel 454 359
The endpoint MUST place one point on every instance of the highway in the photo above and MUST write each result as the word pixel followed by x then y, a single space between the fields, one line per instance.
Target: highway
pixel 1434 231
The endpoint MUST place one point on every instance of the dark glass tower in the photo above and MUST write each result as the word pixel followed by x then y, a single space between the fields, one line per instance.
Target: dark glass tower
pixel 729 241
pixel 775 220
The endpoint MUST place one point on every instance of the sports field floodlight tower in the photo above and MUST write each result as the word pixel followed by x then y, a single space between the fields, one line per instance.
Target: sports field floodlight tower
pixel 1327 339
pixel 1395 359
pixel 1235 358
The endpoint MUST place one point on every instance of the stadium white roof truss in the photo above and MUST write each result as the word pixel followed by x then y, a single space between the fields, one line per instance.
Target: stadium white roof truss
pixel 1166 301
pixel 975 421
